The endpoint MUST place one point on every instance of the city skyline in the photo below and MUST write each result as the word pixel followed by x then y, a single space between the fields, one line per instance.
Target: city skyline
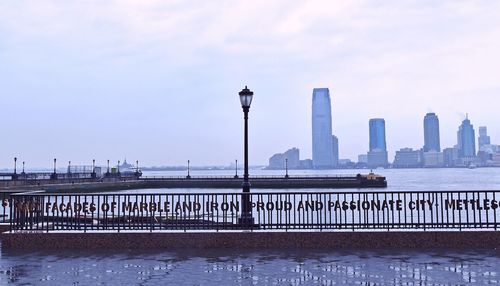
pixel 461 154
pixel 378 144
pixel 151 80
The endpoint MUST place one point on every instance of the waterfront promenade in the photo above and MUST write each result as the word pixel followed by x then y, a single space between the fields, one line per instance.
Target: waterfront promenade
pixel 434 214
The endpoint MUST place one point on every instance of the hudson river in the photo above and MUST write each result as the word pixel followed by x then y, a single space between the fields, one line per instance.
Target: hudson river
pixel 275 267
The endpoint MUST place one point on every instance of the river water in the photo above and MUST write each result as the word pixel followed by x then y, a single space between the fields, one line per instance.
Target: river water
pixel 275 267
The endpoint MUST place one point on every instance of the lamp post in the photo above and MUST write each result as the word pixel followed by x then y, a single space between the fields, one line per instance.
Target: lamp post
pixel 14 176
pixel 246 219
pixel 118 167
pixel 286 168
pixel 236 170
pixel 107 172
pixel 188 175
pixel 54 175
pixel 69 167
pixel 93 175
pixel 23 169
pixel 137 169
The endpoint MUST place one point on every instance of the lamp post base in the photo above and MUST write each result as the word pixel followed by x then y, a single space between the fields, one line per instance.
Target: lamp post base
pixel 246 222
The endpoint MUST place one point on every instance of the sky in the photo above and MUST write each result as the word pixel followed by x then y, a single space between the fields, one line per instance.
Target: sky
pixel 158 81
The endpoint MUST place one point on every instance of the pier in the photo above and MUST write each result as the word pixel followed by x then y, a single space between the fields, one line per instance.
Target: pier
pixel 117 181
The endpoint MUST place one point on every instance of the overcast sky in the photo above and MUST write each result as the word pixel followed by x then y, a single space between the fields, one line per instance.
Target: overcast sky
pixel 157 81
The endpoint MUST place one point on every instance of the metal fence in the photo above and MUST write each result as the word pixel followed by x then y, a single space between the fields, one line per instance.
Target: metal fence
pixel 230 177
pixel 4 207
pixel 285 211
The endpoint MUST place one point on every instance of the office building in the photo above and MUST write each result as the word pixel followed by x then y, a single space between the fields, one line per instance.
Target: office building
pixel 335 148
pixel 377 134
pixel 484 139
pixel 377 156
pixel 322 146
pixel 363 159
pixel 431 133
pixel 496 160
pixel 466 140
pixel 277 161
pixel 306 164
pixel 450 157
pixel 408 158
pixel 433 159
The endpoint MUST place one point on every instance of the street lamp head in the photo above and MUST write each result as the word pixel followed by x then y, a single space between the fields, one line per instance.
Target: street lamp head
pixel 246 96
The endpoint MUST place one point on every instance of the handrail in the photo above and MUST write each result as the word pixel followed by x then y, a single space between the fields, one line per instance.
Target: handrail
pixel 241 177
pixel 277 211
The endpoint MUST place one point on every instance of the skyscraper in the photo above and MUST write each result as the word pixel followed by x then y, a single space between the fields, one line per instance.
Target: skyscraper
pixel 431 133
pixel 377 135
pixel 377 156
pixel 483 139
pixel 322 129
pixel 335 148
pixel 466 139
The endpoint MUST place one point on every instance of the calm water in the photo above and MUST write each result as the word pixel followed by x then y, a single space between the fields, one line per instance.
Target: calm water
pixel 398 179
pixel 292 267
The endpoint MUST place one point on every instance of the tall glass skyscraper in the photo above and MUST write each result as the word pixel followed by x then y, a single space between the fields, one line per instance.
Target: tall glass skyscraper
pixel 466 139
pixel 377 156
pixel 322 129
pixel 377 135
pixel 431 133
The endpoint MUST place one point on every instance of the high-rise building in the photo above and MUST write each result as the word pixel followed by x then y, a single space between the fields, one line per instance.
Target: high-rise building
pixel 322 129
pixel 431 133
pixel 292 156
pixel 377 135
pixel 466 139
pixel 335 148
pixel 483 139
pixel 377 156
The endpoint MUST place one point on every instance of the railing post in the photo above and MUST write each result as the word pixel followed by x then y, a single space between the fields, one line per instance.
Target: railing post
pixel 11 211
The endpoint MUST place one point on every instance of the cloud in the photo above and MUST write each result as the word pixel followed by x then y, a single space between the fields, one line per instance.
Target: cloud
pixel 177 62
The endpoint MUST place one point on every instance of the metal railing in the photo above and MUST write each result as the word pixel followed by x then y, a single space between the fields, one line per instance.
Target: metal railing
pixel 240 177
pixel 45 176
pixel 285 211
pixel 5 204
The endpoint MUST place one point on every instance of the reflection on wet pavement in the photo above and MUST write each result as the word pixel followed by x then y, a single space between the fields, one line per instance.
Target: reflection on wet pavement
pixel 230 267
